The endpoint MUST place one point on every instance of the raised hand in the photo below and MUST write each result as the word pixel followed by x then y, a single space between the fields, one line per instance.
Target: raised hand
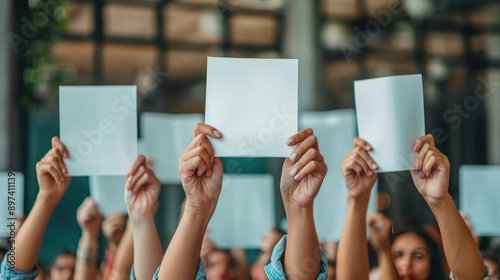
pixel 113 227
pixel 380 231
pixel 51 172
pixel 89 218
pixel 432 170
pixel 359 169
pixel 303 172
pixel 200 171
pixel 142 189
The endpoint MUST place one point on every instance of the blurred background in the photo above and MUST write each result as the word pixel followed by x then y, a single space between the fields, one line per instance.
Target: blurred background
pixel 161 46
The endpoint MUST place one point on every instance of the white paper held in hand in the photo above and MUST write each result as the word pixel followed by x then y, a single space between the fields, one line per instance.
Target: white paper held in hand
pixel 165 137
pixel 479 193
pixel 244 212
pixel 98 125
pixel 335 131
pixel 253 103
pixel 108 192
pixel 390 112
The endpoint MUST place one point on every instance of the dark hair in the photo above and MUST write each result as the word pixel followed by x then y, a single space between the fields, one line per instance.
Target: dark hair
pixel 491 256
pixel 436 272
pixel 232 262
pixel 65 252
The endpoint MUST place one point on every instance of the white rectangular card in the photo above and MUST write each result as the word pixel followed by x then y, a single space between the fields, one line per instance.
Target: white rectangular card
pixel 479 194
pixel 12 202
pixel 109 193
pixel 245 211
pixel 335 131
pixel 98 125
pixel 390 112
pixel 165 137
pixel 253 103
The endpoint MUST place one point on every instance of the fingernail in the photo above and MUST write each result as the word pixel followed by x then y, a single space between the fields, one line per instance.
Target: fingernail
pixel 374 166
pixel 296 177
pixel 289 141
pixel 293 172
pixel 293 157
pixel 129 170
pixel 64 170
pixel 368 147
pixel 369 173
pixel 417 166
pixel 66 154
pixel 415 148
pixel 217 133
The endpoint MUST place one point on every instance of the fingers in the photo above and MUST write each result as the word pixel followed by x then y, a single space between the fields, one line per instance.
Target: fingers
pixel 200 128
pixel 200 148
pixel 310 155
pixel 359 142
pixel 367 159
pixel 50 168
pixel 359 161
pixel 310 168
pixel 299 137
pixel 428 165
pixel 201 140
pixel 419 163
pixel 421 142
pixel 138 161
pixel 57 144
pixel 310 142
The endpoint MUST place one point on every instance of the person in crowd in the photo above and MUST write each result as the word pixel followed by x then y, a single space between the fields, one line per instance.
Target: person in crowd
pixel 53 183
pixel 431 178
pixel 64 266
pixel 89 218
pixel 113 227
pixel 296 256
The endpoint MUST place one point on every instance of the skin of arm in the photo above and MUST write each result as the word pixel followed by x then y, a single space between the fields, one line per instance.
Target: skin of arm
pixel 201 176
pixel 380 238
pixel 431 178
pixel 142 189
pixel 124 256
pixel 359 173
pixel 89 218
pixel 301 178
pixel 53 183
pixel 240 257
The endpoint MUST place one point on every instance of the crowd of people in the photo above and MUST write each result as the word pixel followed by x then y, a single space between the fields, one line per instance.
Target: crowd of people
pixel 134 251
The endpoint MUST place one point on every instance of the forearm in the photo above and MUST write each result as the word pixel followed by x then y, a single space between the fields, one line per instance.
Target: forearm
pixel 86 257
pixel 147 248
pixel 386 265
pixel 352 260
pixel 240 258
pixel 302 255
pixel 464 259
pixel 181 259
pixel 30 237
pixel 124 258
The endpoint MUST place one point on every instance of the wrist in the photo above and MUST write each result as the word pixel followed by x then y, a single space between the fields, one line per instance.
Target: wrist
pixel 438 203
pixel 89 238
pixel 47 199
pixel 293 210
pixel 197 215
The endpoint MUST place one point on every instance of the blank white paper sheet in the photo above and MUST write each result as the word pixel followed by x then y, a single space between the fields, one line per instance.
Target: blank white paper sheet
pixel 13 192
pixel 98 125
pixel 390 113
pixel 165 136
pixel 109 193
pixel 335 131
pixel 479 193
pixel 253 103
pixel 245 211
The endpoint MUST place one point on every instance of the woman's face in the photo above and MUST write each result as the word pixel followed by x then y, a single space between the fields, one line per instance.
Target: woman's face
pixel 411 257
pixel 63 268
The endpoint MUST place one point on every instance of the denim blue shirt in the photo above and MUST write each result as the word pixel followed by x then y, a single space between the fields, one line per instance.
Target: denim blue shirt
pixel 275 270
pixel 9 273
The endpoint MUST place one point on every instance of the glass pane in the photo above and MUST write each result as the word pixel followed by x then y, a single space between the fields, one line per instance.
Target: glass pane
pixel 339 8
pixel 192 25
pixel 253 30
pixel 447 44
pixel 129 21
pixel 184 64
pixel 80 18
pixel 122 64
pixel 76 57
